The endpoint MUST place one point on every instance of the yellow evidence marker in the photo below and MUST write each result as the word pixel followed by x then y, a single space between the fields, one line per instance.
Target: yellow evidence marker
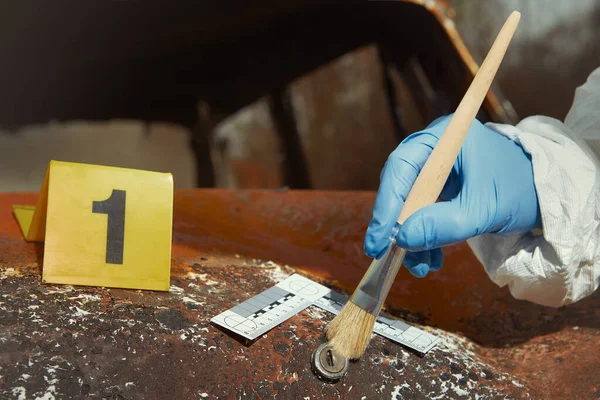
pixel 102 226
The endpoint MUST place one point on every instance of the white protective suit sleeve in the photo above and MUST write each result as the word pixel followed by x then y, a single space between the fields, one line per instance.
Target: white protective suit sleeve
pixel 561 264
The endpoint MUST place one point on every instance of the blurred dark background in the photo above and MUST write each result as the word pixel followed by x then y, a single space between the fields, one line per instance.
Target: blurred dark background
pixel 304 94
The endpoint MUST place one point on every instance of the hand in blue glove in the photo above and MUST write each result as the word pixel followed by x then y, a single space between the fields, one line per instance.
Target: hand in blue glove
pixel 490 190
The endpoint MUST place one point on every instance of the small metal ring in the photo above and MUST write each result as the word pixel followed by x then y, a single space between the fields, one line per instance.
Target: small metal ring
pixel 321 371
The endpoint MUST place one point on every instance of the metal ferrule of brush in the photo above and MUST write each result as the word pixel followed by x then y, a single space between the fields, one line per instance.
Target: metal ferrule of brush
pixel 377 281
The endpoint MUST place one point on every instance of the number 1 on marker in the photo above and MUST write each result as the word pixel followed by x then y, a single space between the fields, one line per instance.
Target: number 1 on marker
pixel 114 207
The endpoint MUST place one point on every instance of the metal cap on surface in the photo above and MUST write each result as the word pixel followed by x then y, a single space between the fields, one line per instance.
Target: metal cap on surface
pixel 327 364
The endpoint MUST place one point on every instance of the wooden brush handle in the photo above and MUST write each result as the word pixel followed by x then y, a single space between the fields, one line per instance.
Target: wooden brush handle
pixel 433 175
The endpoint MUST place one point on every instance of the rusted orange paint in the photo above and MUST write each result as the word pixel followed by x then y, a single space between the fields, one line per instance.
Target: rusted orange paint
pixel 321 233
pixel 318 232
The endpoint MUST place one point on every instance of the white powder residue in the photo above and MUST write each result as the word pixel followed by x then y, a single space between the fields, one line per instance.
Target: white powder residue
pixel 276 272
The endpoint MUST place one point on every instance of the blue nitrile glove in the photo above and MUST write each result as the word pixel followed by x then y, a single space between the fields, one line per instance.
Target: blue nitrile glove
pixel 490 190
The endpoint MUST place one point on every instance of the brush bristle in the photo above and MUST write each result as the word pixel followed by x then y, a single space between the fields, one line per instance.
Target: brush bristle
pixel 350 331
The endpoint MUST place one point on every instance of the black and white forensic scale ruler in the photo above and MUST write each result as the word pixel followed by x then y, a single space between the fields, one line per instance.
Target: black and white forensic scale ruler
pixel 270 308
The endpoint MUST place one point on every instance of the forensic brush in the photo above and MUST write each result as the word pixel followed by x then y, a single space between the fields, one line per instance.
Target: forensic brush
pixel 350 331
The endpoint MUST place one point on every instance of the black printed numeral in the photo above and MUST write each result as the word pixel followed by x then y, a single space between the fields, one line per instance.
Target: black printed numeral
pixel 114 207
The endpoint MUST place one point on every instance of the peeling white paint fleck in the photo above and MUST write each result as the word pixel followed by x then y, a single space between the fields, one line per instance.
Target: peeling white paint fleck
pixel 19 392
pixel 86 297
pixel 202 277
pixel 61 289
pixel 275 272
pixel 459 391
pixel 315 312
pixel 442 395
pixel 189 300
pixel 396 392
pixel 79 312
pixel 8 272
pixel 176 289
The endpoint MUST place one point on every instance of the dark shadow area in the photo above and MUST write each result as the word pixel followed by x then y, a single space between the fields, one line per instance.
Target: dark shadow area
pixel 296 171
pixel 511 322
pixel 39 256
pixel 238 338
pixel 154 61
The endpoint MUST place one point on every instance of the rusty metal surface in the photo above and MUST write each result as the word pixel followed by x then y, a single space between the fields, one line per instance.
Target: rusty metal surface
pixel 81 342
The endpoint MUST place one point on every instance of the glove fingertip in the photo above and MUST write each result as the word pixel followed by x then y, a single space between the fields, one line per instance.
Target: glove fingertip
pixel 374 246
pixel 420 270
pixel 369 247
